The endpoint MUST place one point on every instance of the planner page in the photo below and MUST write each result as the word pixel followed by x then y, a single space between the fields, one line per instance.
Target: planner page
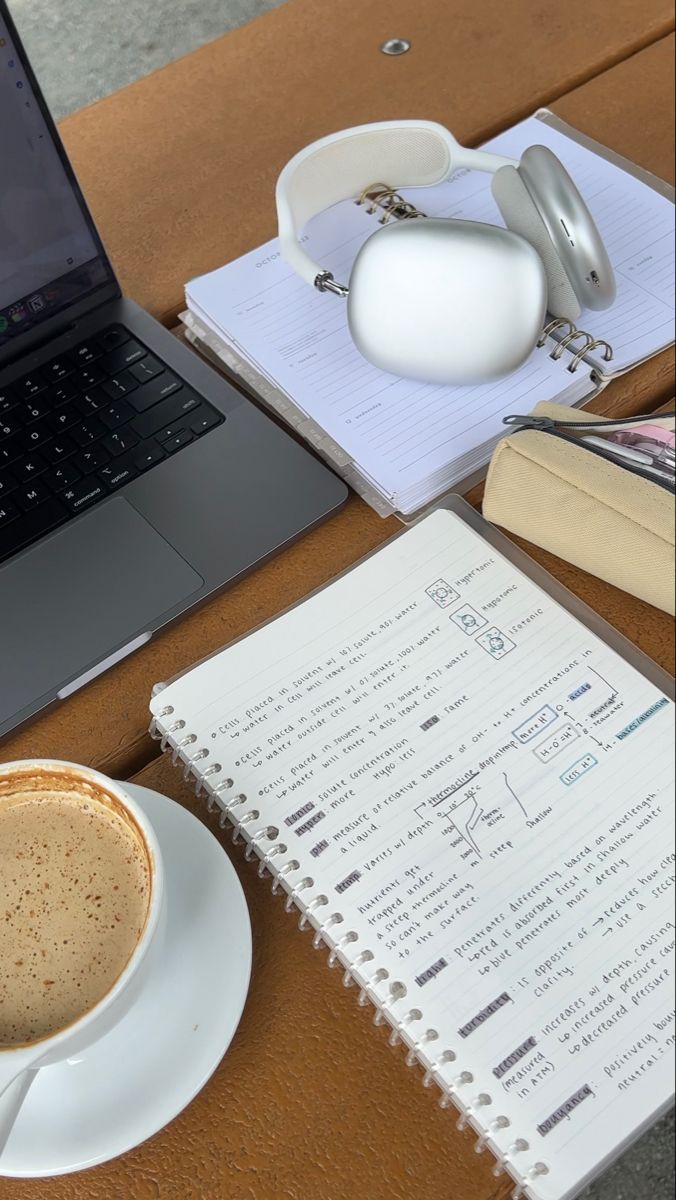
pixel 451 770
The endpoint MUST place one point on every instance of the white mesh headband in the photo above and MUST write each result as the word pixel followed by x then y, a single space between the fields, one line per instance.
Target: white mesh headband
pixel 342 165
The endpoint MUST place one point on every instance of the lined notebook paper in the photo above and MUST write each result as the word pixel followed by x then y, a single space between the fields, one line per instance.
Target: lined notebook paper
pixel 469 797
pixel 411 441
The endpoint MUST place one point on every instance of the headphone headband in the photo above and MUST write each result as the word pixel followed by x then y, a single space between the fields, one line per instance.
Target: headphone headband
pixel 342 165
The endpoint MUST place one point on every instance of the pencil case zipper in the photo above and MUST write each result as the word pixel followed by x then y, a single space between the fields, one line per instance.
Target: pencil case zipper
pixel 547 425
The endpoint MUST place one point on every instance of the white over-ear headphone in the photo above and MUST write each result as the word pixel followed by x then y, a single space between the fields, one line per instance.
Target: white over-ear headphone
pixel 423 293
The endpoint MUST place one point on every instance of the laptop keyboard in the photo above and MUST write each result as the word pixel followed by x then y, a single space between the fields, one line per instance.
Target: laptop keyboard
pixel 85 424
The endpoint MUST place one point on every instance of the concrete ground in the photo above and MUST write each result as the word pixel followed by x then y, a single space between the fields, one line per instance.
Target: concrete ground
pixel 84 49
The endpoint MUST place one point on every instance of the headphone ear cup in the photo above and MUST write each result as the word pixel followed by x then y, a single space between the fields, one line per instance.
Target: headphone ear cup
pixel 521 216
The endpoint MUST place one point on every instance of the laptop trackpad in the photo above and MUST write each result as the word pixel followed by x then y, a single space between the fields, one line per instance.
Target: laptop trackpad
pixel 85 593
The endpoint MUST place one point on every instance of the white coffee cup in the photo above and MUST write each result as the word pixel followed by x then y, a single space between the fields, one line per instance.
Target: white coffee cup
pixel 19 1064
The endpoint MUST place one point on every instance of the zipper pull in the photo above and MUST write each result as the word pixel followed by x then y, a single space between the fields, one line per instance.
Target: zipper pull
pixel 529 422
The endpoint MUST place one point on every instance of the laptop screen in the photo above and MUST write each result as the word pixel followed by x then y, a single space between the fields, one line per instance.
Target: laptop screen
pixel 50 256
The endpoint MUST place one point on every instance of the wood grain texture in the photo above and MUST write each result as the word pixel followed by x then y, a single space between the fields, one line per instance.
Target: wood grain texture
pixel 105 724
pixel 194 150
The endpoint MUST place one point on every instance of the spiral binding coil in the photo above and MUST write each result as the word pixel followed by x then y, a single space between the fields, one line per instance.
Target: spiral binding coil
pixel 394 207
pixel 572 335
pixel 362 970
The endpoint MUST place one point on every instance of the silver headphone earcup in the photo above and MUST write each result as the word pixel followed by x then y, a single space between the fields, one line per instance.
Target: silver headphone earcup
pixel 521 215
pixel 446 301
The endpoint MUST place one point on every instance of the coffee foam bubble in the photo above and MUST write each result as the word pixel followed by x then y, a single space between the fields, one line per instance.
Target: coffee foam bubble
pixel 75 890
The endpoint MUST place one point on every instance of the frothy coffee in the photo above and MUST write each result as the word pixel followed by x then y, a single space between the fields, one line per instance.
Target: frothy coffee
pixel 75 888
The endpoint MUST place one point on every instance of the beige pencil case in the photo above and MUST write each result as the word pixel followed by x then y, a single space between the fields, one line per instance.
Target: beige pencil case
pixel 615 521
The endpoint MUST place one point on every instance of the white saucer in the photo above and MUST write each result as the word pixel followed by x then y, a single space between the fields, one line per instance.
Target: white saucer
pixel 146 1070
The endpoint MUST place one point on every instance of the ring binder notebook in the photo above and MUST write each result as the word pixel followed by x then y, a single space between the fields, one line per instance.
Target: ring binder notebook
pixel 418 766
pixel 400 443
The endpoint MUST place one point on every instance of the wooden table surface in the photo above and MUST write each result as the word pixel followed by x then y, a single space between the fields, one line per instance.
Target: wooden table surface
pixel 179 169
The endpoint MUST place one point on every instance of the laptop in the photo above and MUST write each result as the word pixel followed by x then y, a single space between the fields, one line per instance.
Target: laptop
pixel 135 482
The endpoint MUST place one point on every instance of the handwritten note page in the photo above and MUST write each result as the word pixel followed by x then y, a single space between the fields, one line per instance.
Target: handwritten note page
pixel 414 440
pixel 480 788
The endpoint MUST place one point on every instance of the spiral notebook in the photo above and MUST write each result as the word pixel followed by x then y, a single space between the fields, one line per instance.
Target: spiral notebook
pixel 402 443
pixel 461 778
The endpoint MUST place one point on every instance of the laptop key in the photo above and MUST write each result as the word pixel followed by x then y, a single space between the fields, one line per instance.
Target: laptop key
pixel 9 451
pixel 118 472
pixel 28 495
pixel 161 416
pixel 8 482
pixel 58 448
pixel 9 426
pixel 122 357
pixel 178 441
pixel 35 435
pixel 35 410
pixel 113 337
pixel 89 431
pixel 147 369
pixel 91 401
pixel 120 441
pixel 86 353
pixel 80 495
pixel 120 385
pixel 58 368
pixel 158 389
pixel 116 414
pixel 7 512
pixel 91 459
pixel 61 476
pixel 63 419
pixel 8 399
pixel 30 467
pixel 87 377
pixel 62 394
pixel 205 419
pixel 29 386
pixel 150 454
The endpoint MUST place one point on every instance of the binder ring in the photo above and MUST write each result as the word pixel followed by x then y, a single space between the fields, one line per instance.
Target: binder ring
pixel 378 977
pixel 413 1015
pixel 280 848
pixel 164 712
pixel 190 762
pixel 568 340
pixel 240 799
pixel 317 902
pixel 464 1079
pixel 253 815
pixel 286 869
pixel 494 1127
pixel 335 919
pixel 304 884
pixel 430 1075
pixel 592 345
pixel 483 1100
pixel 551 328
pixel 538 1169
pixel 413 1055
pixel 397 992
pixel 345 940
pixel 269 832
pixel 201 786
pixel 520 1146
pixel 166 738
pixel 364 957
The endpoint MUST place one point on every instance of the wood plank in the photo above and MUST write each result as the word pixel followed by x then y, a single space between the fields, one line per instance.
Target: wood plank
pixel 180 167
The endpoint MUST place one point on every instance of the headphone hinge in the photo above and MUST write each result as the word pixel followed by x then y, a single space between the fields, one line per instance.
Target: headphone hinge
pixel 324 282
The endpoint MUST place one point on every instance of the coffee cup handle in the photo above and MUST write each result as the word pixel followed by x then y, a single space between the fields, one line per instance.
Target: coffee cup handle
pixel 11 1099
